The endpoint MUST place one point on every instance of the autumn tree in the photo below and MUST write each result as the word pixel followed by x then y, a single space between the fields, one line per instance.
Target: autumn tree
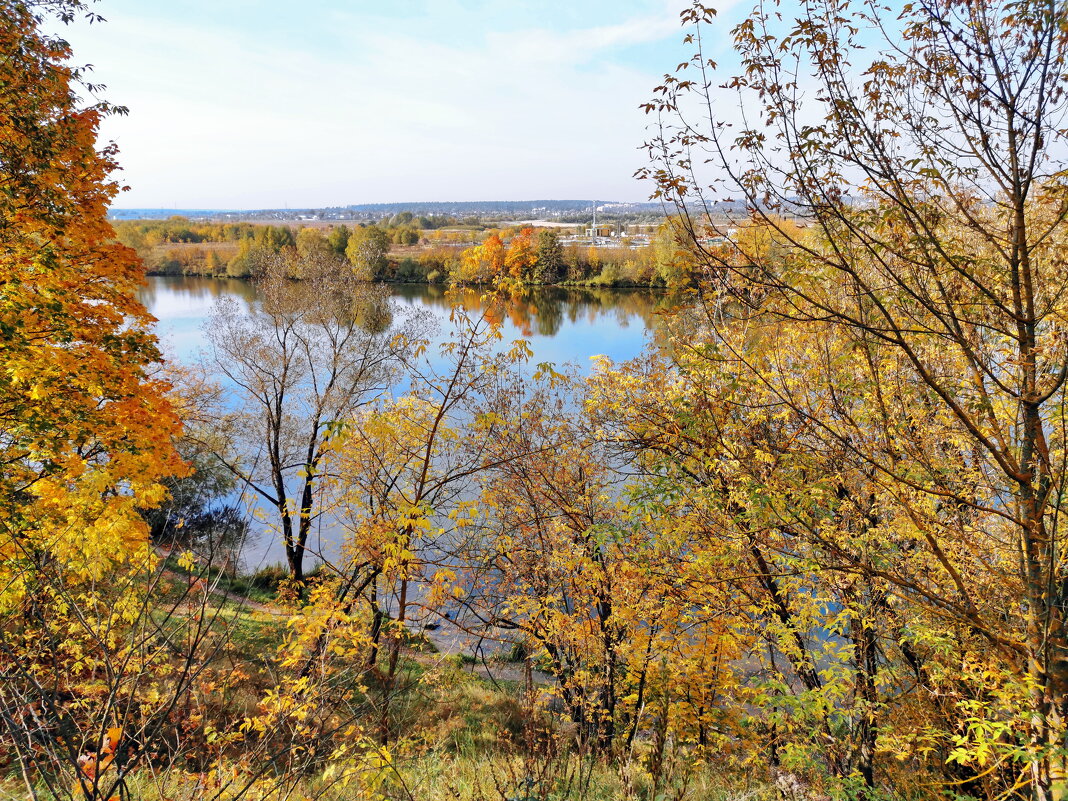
pixel 482 263
pixel 405 235
pixel 273 238
pixel 521 256
pixel 925 154
pixel 338 238
pixel 401 477
pixel 767 243
pixel 312 245
pixel 549 264
pixel 247 261
pixel 673 259
pixel 590 580
pixel 213 263
pixel 366 251
pixel 844 682
pixel 86 431
pixel 307 356
pixel 81 412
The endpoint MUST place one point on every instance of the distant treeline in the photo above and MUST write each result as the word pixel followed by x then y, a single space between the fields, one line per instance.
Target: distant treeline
pixel 411 249
pixel 474 207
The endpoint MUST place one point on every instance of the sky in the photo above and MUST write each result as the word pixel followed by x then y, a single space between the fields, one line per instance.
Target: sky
pixel 244 104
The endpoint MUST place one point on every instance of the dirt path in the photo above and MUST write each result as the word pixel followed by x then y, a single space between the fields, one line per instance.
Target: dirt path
pixel 219 592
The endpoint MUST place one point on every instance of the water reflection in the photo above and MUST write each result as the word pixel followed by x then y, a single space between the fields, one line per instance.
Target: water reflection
pixel 161 292
pixel 542 310
pixel 562 324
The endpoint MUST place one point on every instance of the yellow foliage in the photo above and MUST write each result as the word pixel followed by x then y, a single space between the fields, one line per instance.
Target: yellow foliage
pixel 87 429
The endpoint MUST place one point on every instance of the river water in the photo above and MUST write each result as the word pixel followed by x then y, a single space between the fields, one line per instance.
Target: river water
pixel 561 326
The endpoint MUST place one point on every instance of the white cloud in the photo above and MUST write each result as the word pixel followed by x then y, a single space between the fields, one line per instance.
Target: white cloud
pixel 223 119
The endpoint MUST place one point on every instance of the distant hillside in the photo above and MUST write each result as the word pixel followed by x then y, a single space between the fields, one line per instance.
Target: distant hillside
pixel 477 208
pixel 513 207
pixel 163 214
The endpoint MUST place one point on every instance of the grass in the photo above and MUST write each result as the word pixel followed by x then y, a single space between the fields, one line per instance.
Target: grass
pixel 505 777
pixel 259 587
pixel 256 636
pixel 465 740
pixel 457 777
pixel 462 736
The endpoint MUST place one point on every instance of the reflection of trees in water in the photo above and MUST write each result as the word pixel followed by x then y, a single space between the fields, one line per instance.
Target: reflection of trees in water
pixel 543 310
pixel 539 310
pixel 373 314
pixel 533 311
pixel 550 315
pixel 430 295
pixel 196 288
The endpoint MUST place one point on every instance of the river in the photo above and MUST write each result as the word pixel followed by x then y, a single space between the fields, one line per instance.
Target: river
pixel 561 326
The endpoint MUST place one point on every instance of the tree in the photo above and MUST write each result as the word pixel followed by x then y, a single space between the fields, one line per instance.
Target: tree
pixel 400 477
pixel 482 263
pixel 245 262
pixel 80 411
pixel 308 356
pixel 589 579
pixel 312 245
pixel 845 681
pixel 339 239
pixel 549 265
pixel 405 235
pixel 593 259
pixel 674 260
pixel 273 238
pixel 932 183
pixel 81 414
pixel 521 256
pixel 213 263
pixel 199 514
pixel 86 430
pixel 366 250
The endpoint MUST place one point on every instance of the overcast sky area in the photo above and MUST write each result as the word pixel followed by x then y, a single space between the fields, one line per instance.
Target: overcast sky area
pixel 265 104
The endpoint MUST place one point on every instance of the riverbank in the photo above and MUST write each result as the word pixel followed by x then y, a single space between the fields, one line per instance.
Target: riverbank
pixel 597 282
